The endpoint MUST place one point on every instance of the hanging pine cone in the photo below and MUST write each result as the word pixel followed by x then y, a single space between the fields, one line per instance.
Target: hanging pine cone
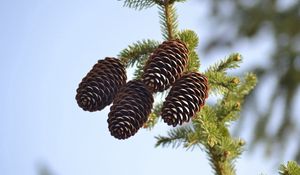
pixel 130 110
pixel 98 88
pixel 185 98
pixel 165 65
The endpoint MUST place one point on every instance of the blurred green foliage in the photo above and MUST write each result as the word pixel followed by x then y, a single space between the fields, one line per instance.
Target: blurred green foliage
pixel 44 169
pixel 246 19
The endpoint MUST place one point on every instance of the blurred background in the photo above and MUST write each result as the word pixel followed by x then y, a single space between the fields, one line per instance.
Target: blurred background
pixel 47 46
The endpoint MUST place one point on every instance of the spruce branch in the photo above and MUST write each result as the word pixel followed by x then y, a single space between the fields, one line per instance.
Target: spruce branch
pixel 230 62
pixel 153 117
pixel 221 148
pixel 292 168
pixel 168 20
pixel 230 105
pixel 205 124
pixel 228 110
pixel 137 52
pixel 139 4
pixel 191 40
pixel 218 161
pixel 209 126
pixel 189 37
pixel 220 83
pixel 173 1
pixel 247 84
pixel 139 68
pixel 227 149
pixel 175 137
pixel 193 62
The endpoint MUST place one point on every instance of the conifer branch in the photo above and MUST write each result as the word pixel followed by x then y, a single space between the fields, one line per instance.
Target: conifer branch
pixel 168 20
pixel 209 126
pixel 153 117
pixel 189 37
pixel 292 168
pixel 221 148
pixel 221 167
pixel 173 1
pixel 140 68
pixel 206 126
pixel 139 4
pixel 175 137
pixel 220 83
pixel 227 109
pixel 193 62
pixel 247 84
pixel 223 154
pixel 230 62
pixel 191 40
pixel 137 52
pixel 230 105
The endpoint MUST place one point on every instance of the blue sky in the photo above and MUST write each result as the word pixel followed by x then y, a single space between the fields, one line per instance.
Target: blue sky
pixel 46 47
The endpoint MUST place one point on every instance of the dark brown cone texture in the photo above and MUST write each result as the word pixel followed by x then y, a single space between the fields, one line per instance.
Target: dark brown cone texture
pixel 130 109
pixel 185 99
pixel 165 65
pixel 99 87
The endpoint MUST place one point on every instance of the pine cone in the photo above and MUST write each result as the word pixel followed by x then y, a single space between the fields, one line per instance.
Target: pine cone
pixel 130 109
pixel 165 65
pixel 185 98
pixel 98 88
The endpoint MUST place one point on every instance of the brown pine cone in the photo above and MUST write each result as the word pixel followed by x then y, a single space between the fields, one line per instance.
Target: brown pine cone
pixel 98 88
pixel 185 99
pixel 165 65
pixel 130 110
